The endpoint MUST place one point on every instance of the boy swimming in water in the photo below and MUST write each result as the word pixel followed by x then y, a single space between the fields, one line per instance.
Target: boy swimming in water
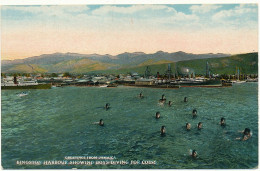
pixel 199 125
pixel 188 126
pixel 141 95
pixel 107 106
pixel 101 122
pixel 163 99
pixel 194 113
pixel 157 115
pixel 194 153
pixel 246 134
pixel 222 122
pixel 163 130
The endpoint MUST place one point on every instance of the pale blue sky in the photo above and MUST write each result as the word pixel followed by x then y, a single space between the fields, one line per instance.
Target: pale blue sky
pixel 183 23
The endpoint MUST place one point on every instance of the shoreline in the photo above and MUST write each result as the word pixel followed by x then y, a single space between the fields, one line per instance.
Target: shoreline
pixel 48 86
pixel 154 87
pixel 39 86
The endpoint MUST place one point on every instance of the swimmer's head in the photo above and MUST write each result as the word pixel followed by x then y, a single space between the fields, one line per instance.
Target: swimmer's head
pixel 188 126
pixel 194 153
pixel 163 96
pixel 194 113
pixel 163 130
pixel 222 121
pixel 247 134
pixel 107 105
pixel 247 131
pixel 199 125
pixel 101 122
pixel 157 115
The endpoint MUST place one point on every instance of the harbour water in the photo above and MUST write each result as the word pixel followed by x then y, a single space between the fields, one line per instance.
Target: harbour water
pixel 54 123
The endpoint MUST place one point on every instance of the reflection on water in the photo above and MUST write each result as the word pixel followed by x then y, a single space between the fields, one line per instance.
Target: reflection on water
pixel 52 124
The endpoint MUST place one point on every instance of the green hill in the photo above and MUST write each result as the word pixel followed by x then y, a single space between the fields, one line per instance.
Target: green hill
pixel 153 62
pixel 26 68
pixel 78 66
pixel 73 66
pixel 247 63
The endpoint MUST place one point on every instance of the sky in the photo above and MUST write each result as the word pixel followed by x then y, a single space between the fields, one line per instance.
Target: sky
pixel 113 29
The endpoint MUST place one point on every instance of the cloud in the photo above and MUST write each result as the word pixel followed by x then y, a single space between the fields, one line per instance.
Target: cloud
pixel 146 16
pixel 132 17
pixel 184 17
pixel 131 9
pixel 204 8
pixel 45 10
pixel 242 11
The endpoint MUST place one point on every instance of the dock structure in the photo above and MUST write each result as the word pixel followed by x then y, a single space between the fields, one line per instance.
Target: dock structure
pixel 204 86
pixel 17 87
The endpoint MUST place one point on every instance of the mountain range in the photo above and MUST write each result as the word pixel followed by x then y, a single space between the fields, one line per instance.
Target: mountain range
pixel 84 63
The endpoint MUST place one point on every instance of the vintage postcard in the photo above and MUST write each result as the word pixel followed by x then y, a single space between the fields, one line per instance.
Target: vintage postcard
pixel 129 86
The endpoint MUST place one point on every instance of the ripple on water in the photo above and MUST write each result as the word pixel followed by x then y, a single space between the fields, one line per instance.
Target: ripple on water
pixel 52 124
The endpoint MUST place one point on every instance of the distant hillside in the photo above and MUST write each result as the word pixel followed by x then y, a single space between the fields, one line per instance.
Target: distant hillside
pixel 248 64
pixel 133 62
pixel 25 68
pixel 78 65
pixel 83 63
pixel 153 62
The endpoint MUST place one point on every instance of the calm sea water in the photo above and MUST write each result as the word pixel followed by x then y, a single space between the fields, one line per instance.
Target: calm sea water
pixel 52 124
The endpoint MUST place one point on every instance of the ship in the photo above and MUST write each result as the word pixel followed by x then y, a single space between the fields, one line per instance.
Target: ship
pixel 10 84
